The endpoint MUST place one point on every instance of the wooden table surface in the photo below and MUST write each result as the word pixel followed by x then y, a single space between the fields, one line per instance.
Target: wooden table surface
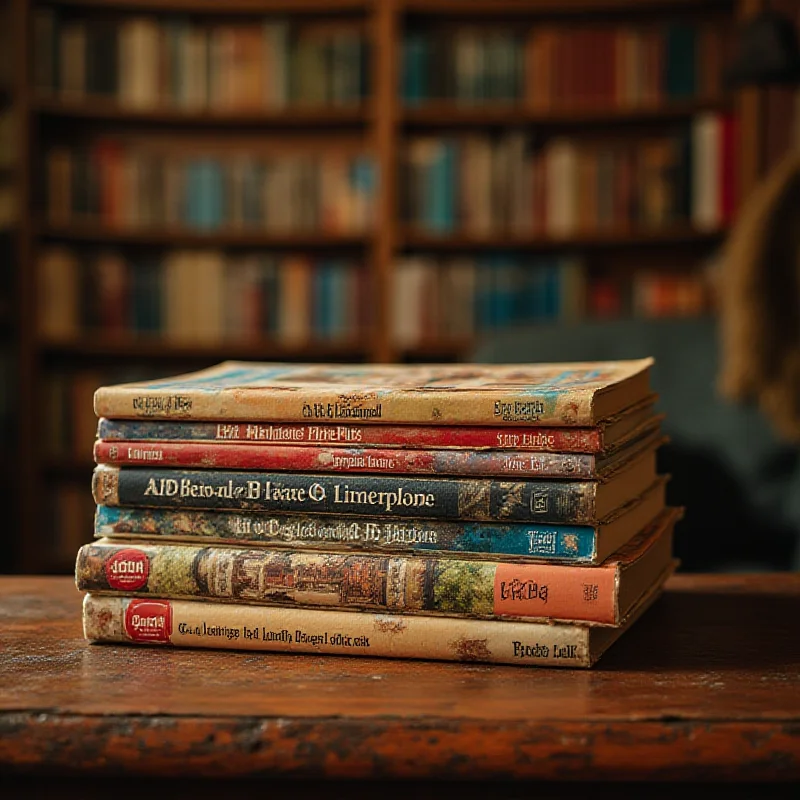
pixel 705 687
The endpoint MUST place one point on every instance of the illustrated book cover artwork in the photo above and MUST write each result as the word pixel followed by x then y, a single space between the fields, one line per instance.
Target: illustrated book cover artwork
pixel 545 394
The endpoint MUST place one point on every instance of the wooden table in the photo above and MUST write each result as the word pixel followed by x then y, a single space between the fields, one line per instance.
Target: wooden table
pixel 706 687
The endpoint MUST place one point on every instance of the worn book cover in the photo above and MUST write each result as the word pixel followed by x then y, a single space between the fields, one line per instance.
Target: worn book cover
pixel 238 626
pixel 608 435
pixel 378 460
pixel 574 544
pixel 580 394
pixel 478 499
pixel 404 584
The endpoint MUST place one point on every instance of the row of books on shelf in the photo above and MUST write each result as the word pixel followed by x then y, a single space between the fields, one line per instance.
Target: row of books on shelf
pixel 187 297
pixel 136 184
pixel 67 515
pixel 68 423
pixel 434 300
pixel 484 185
pixel 202 297
pixel 549 66
pixel 183 63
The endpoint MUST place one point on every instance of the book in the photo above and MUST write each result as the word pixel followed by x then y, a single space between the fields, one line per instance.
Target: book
pixel 204 296
pixel 607 436
pixel 477 499
pixel 601 595
pixel 573 395
pixel 315 458
pixel 573 544
pixel 190 623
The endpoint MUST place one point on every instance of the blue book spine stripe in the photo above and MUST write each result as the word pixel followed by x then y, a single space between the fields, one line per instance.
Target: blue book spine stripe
pixel 573 544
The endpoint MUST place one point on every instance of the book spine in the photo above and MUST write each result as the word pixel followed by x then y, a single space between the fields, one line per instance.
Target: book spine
pixel 360 495
pixel 567 407
pixel 559 543
pixel 299 630
pixel 399 584
pixel 220 455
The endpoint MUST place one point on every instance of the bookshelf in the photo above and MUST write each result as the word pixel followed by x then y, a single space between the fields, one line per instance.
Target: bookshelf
pixel 380 123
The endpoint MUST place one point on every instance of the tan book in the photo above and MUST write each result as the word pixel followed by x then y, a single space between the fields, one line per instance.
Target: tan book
pixel 577 394
pixel 190 623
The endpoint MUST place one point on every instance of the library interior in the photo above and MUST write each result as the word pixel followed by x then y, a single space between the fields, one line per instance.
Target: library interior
pixel 184 182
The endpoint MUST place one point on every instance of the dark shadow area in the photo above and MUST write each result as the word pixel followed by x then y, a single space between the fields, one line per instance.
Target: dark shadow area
pixel 721 528
pixel 707 631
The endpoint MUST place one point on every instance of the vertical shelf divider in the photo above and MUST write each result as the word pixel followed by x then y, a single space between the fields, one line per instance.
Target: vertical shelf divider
pixel 386 30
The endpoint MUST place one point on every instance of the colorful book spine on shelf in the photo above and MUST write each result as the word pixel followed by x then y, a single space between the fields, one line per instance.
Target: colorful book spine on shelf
pixel 138 185
pixel 552 66
pixel 145 63
pixel 200 296
pixel 406 585
pixel 476 499
pixel 568 186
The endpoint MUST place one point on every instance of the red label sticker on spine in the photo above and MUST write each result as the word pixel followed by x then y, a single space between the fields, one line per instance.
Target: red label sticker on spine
pixel 127 570
pixel 149 621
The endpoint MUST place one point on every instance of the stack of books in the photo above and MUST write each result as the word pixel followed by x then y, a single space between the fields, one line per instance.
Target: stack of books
pixel 507 514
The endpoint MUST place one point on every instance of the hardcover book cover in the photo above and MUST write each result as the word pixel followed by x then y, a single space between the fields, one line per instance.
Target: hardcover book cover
pixel 400 496
pixel 405 584
pixel 188 623
pixel 608 435
pixel 580 394
pixel 222 455
pixel 572 544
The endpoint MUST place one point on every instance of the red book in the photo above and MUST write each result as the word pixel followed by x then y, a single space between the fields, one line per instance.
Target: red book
pixel 223 455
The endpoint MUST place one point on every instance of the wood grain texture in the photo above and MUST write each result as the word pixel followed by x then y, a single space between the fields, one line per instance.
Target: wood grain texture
pixel 705 687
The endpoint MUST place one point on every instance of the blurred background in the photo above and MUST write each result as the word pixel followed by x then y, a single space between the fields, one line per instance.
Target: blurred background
pixel 186 181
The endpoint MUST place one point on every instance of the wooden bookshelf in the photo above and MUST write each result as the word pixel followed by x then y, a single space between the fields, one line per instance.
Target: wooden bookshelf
pixel 603 239
pixel 382 124
pixel 504 114
pixel 308 119
pixel 181 237
pixel 156 349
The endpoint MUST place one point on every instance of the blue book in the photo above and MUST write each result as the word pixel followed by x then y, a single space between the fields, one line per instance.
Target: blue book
pixel 414 74
pixel 213 194
pixel 551 291
pixel 193 190
pixel 574 544
pixel 440 189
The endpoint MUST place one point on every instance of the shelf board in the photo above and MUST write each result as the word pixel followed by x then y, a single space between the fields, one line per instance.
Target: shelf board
pixel 680 235
pixel 452 115
pixel 183 237
pixel 156 348
pixel 227 8
pixel 458 8
pixel 109 111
